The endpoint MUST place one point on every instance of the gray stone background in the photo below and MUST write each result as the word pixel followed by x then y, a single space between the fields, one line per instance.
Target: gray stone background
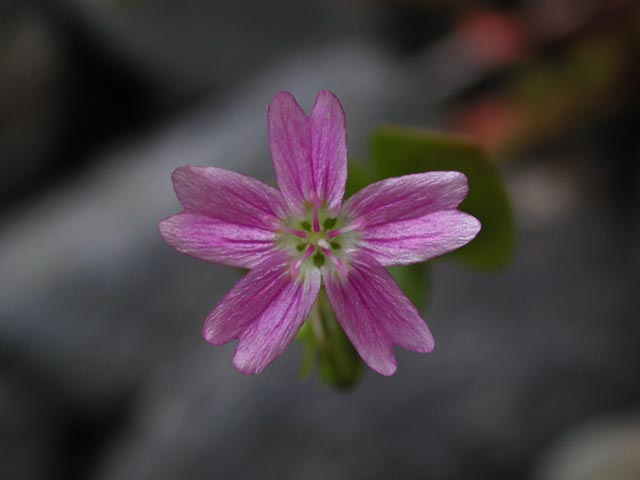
pixel 103 372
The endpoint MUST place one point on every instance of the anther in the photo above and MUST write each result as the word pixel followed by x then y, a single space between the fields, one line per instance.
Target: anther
pixel 323 243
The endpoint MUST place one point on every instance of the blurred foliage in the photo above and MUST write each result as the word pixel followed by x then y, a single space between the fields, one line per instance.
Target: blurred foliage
pixel 124 4
pixel 401 151
pixel 398 151
pixel 554 95
pixel 415 281
pixel 545 98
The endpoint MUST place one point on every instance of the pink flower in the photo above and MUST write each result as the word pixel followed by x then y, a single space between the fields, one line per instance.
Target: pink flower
pixel 302 236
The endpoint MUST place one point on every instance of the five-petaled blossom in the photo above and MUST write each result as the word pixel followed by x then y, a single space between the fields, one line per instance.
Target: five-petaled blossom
pixel 302 236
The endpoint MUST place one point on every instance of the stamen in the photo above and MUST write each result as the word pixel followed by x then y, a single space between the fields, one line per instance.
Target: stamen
pixel 308 253
pixel 339 231
pixel 293 231
pixel 340 265
pixel 295 266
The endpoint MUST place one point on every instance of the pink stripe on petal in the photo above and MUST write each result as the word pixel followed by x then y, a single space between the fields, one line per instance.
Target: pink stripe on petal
pixel 290 144
pixel 275 329
pixel 247 300
pixel 375 314
pixel 264 310
pixel 309 153
pixel 228 196
pixel 419 239
pixel 329 149
pixel 404 198
pixel 217 241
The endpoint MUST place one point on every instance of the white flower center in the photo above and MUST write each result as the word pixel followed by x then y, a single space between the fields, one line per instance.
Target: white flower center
pixel 316 240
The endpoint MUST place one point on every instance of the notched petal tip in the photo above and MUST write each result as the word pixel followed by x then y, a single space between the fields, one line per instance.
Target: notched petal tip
pixel 408 197
pixel 329 149
pixel 375 314
pixel 390 368
pixel 164 227
pixel 386 369
pixel 290 145
pixel 427 347
pixel 309 152
pixel 246 366
pixel 451 183
pixel 466 228
pixel 328 97
pixel 167 230
pixel 282 100
pixel 474 226
pixel 184 172
pixel 182 179
pixel 264 312
pixel 462 182
pixel 211 336
pixel 283 94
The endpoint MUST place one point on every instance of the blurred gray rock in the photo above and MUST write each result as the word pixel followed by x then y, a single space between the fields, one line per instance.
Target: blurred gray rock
pixel 519 357
pixel 78 269
pixel 92 301
pixel 31 73
pixel 193 45
pixel 27 432
pixel 95 308
pixel 602 449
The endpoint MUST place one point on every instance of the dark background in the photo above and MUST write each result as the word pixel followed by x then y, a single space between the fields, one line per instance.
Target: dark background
pixel 103 371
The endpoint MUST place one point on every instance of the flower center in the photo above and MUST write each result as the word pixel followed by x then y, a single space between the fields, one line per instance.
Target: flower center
pixel 316 240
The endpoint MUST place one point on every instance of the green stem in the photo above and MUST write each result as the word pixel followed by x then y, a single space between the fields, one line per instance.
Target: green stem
pixel 317 323
pixel 338 363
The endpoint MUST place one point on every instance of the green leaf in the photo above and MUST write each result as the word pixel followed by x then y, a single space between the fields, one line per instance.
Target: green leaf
pixel 306 337
pixel 400 151
pixel 414 281
pixel 360 175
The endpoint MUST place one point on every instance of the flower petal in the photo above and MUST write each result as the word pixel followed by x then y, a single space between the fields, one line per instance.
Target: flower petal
pixel 217 241
pixel 309 153
pixel 404 198
pixel 290 144
pixel 419 239
pixel 329 149
pixel 375 314
pixel 264 310
pixel 227 196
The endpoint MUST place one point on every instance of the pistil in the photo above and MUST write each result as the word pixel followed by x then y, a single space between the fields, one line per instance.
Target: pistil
pixel 314 240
